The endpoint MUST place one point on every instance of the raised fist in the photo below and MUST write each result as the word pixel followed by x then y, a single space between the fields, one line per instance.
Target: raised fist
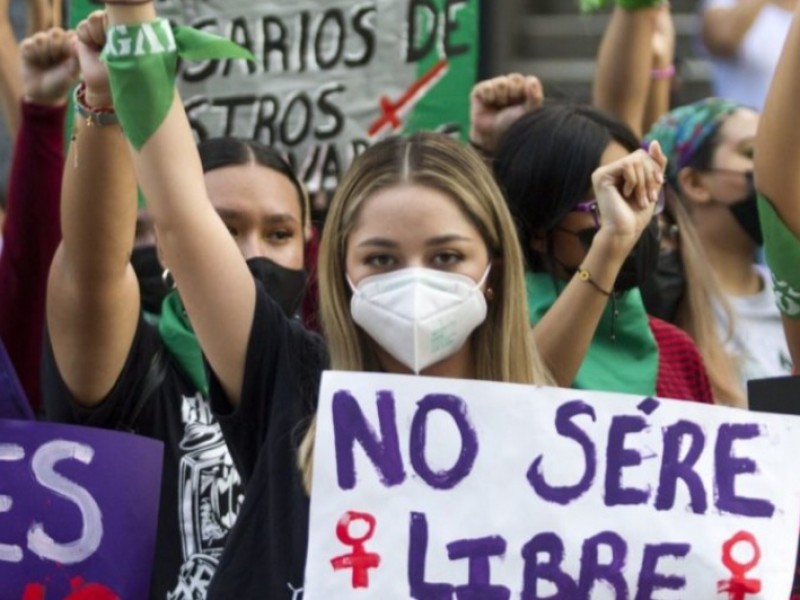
pixel 49 66
pixel 496 103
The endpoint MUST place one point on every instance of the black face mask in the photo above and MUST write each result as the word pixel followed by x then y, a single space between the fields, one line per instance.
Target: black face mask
pixel 640 263
pixel 152 288
pixel 663 291
pixel 746 212
pixel 285 286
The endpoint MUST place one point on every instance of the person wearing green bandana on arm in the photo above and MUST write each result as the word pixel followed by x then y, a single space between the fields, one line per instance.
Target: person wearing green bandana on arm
pixel 777 174
pixel 105 365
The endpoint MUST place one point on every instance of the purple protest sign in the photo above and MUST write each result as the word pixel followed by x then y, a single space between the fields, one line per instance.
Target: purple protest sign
pixel 78 512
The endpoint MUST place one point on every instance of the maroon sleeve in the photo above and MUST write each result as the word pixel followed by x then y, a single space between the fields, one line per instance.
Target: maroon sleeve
pixel 31 233
pixel 681 371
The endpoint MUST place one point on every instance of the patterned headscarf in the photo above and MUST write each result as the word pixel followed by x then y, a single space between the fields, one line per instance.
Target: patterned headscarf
pixel 682 131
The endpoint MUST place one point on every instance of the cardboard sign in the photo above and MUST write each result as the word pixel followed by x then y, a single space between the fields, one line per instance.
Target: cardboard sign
pixel 331 76
pixel 78 511
pixel 449 489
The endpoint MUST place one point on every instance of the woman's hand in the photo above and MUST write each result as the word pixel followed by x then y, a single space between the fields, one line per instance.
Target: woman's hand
pixel 49 66
pixel 91 39
pixel 496 103
pixel 627 192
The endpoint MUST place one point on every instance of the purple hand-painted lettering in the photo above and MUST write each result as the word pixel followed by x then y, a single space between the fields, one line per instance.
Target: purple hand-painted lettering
pixel 565 427
pixel 551 545
pixel 457 409
pixel 419 589
pixel 618 457
pixel 673 468
pixel 592 571
pixel 478 552
pixel 650 580
pixel 728 467
pixel 351 426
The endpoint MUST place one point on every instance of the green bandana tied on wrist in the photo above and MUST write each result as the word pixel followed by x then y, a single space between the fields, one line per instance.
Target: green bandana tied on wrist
pixel 588 6
pixel 142 60
pixel 178 336
pixel 628 363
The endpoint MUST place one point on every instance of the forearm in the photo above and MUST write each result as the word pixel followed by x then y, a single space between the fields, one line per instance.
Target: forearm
pixel 776 150
pixel 564 334
pixel 791 328
pixel 623 66
pixel 10 80
pixel 215 284
pixel 724 28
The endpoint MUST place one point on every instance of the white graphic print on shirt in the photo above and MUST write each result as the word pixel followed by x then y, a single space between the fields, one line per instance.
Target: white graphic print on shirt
pixel 210 495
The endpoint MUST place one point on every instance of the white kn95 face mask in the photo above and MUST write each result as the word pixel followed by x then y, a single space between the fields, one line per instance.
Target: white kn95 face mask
pixel 419 316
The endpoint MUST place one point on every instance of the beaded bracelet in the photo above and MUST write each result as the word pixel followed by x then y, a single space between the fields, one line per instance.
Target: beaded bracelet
pixel 93 116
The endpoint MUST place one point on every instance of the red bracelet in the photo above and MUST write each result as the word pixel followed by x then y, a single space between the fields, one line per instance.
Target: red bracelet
pixel 664 73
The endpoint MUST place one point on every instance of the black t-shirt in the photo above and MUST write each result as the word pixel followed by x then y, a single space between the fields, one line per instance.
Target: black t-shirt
pixel 266 552
pixel 201 491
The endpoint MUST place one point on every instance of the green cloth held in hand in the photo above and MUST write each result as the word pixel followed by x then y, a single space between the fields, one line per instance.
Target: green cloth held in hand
pixel 628 363
pixel 178 336
pixel 142 60
pixel 782 250
pixel 595 5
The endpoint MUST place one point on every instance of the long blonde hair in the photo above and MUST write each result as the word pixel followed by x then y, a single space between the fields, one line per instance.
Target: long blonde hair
pixel 504 349
pixel 696 315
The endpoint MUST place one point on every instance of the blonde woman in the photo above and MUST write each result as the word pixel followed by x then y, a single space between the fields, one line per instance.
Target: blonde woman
pixel 419 246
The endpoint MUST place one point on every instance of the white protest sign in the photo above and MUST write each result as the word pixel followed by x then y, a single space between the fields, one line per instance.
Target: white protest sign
pixel 442 489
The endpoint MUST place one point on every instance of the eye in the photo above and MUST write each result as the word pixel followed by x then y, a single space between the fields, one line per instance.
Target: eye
pixel 279 236
pixel 380 261
pixel 447 258
pixel 232 230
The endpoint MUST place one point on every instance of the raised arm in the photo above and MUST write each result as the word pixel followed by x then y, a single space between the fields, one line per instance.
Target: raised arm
pixel 31 230
pixel 626 192
pixel 777 148
pixel 215 284
pixel 624 62
pixel 777 169
pixel 725 27
pixel 10 80
pixel 663 68
pixel 93 296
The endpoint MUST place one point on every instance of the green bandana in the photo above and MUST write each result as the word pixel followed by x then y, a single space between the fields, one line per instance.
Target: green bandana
pixel 629 362
pixel 593 5
pixel 142 60
pixel 179 338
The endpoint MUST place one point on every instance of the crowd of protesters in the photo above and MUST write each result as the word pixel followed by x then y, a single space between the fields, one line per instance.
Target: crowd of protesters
pixel 176 290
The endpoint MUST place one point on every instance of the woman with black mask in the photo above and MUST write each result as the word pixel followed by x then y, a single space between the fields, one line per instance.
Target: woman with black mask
pixel 710 149
pixel 554 165
pixel 106 366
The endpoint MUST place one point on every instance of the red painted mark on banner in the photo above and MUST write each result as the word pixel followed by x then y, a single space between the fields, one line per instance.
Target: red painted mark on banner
pixel 80 591
pixel 739 586
pixel 359 560
pixel 390 111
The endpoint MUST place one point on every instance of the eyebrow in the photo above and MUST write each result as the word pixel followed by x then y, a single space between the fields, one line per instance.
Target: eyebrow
pixel 227 213
pixel 436 241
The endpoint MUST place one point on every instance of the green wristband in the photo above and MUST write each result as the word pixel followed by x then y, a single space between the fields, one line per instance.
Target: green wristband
pixel 142 60
pixel 594 5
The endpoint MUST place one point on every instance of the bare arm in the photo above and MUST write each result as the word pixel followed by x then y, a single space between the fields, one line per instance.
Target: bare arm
pixel 623 190
pixel 624 62
pixel 215 284
pixel 777 162
pixel 658 98
pixel 10 80
pixel 724 28
pixel 93 296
